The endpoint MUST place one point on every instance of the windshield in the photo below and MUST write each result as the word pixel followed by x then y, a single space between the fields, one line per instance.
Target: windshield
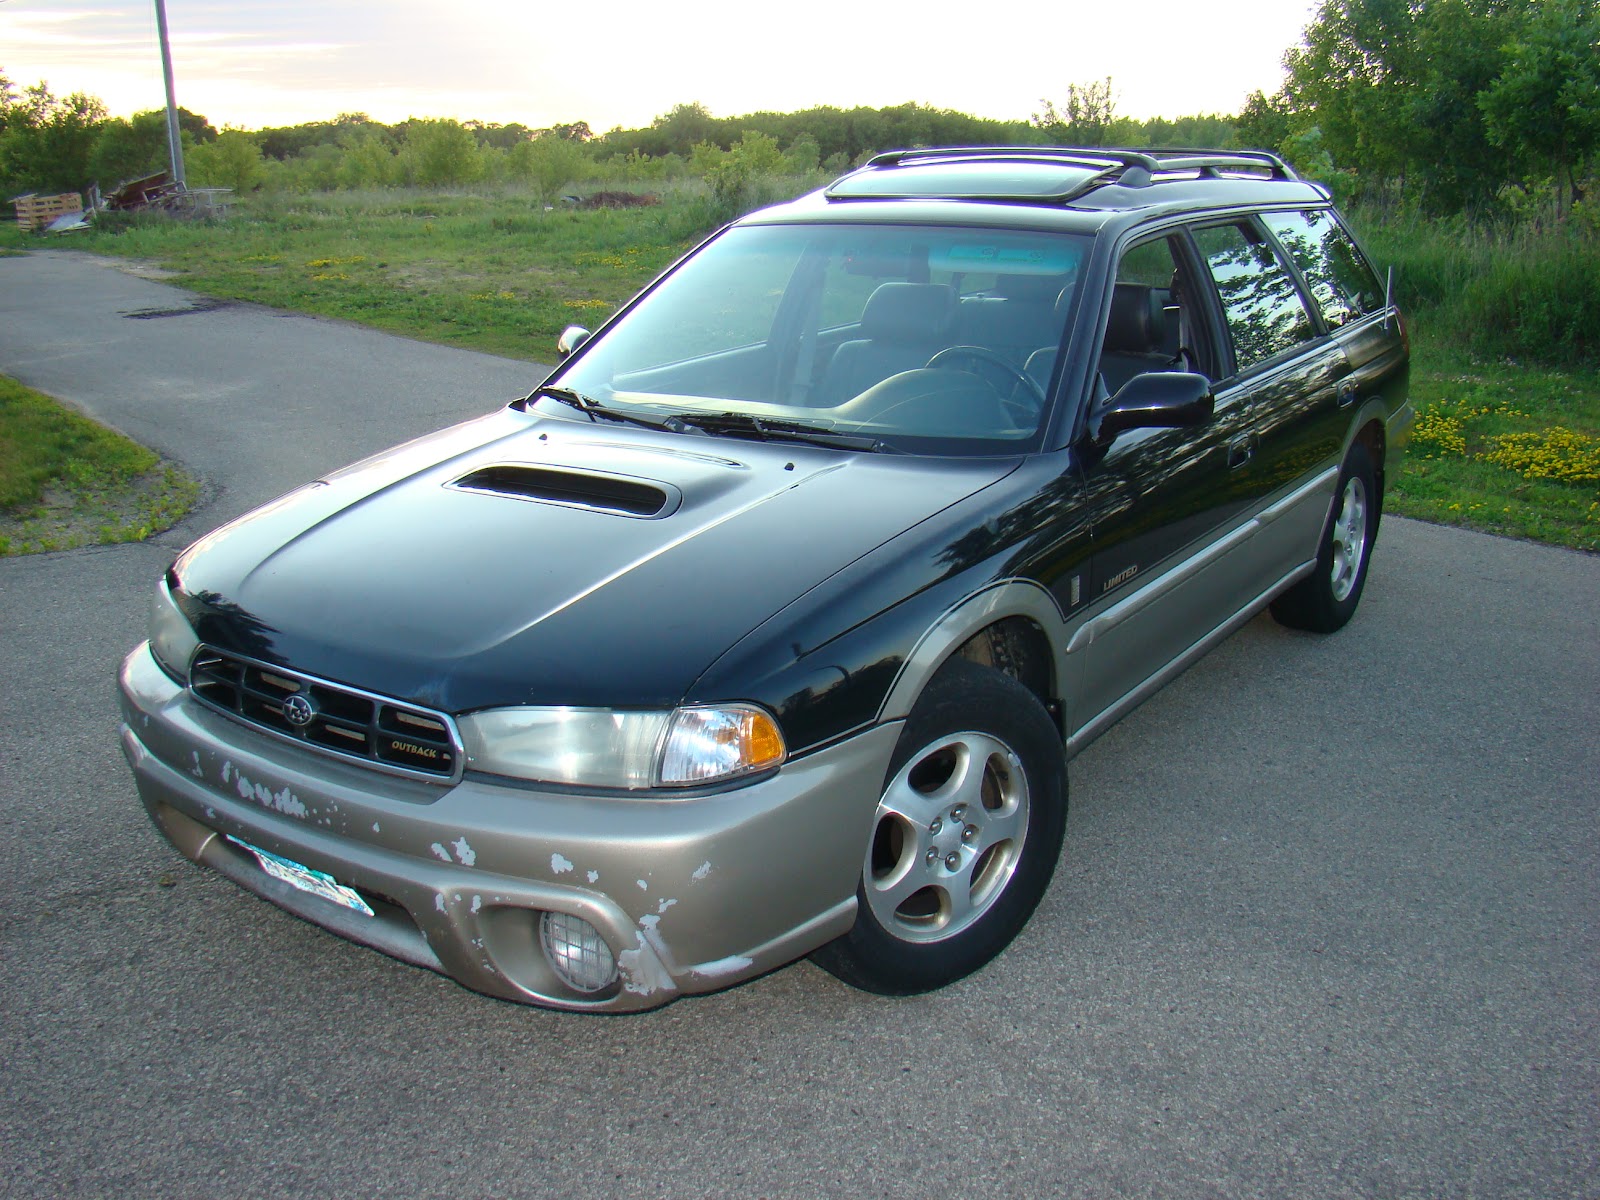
pixel 918 339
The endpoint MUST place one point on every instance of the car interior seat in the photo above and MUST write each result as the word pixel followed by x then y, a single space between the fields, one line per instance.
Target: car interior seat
pixel 1017 316
pixel 902 326
pixel 1136 334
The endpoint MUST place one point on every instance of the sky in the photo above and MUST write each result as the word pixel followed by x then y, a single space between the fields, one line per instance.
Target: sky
pixel 256 63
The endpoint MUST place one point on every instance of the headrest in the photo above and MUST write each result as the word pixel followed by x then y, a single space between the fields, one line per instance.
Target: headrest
pixel 909 312
pixel 1138 322
pixel 1038 288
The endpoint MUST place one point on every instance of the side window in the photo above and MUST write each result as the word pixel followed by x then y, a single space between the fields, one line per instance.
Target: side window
pixel 1354 273
pixel 1340 279
pixel 1263 308
pixel 1151 263
pixel 1154 324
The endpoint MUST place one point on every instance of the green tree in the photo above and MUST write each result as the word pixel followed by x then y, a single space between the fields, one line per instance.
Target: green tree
pixel 48 141
pixel 499 137
pixel 129 149
pixel 8 97
pixel 679 131
pixel 576 131
pixel 1085 120
pixel 734 175
pixel 549 162
pixel 1460 50
pixel 315 169
pixel 1446 101
pixel 803 155
pixel 1544 107
pixel 233 160
pixel 1307 153
pixel 368 157
pixel 1198 129
pixel 1352 77
pixel 439 153
pixel 1265 122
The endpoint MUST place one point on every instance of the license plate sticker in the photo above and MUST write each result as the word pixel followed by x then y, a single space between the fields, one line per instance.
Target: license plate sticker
pixel 317 883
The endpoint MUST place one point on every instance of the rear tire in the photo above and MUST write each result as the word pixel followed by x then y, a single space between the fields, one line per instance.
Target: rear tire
pixel 965 838
pixel 1324 600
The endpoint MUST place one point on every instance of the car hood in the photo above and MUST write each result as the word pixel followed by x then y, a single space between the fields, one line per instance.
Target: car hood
pixel 521 559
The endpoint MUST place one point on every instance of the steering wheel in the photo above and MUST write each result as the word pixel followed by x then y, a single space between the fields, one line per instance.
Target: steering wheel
pixel 1018 378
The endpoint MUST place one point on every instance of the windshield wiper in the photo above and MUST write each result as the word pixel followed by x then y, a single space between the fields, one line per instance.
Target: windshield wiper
pixel 595 411
pixel 767 429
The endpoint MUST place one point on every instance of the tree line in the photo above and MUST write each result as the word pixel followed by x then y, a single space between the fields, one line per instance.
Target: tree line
pixel 1448 105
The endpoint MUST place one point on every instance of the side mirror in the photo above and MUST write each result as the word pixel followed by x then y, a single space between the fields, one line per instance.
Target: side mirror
pixel 571 338
pixel 1157 400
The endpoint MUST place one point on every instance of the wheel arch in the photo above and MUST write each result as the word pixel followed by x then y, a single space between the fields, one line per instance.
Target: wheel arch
pixel 1013 626
pixel 1370 430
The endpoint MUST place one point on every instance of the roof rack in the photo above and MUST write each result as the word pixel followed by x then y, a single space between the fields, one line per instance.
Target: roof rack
pixel 1074 154
pixel 1105 164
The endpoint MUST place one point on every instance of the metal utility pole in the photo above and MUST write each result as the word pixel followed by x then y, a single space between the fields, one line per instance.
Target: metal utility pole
pixel 174 143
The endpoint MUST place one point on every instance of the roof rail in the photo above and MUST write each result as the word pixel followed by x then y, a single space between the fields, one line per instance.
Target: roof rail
pixel 1213 162
pixel 1128 167
pixel 1077 154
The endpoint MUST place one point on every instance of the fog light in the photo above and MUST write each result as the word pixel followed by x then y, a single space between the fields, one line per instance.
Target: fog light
pixel 578 953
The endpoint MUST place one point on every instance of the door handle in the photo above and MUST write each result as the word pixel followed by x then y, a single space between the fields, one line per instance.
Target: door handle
pixel 1347 393
pixel 1241 450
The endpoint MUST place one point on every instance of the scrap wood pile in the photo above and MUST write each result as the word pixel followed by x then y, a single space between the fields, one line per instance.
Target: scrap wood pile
pixel 39 212
pixel 153 193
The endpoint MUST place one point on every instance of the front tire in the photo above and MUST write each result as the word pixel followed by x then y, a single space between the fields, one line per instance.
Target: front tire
pixel 1324 600
pixel 965 838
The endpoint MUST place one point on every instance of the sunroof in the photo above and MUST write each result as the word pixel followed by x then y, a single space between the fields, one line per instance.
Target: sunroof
pixel 1000 180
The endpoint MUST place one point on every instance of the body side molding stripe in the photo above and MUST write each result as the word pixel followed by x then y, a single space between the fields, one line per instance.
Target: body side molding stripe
pixel 1138 695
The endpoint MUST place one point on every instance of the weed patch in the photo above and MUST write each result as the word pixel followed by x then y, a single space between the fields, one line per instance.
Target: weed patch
pixel 67 482
pixel 1524 293
pixel 1506 450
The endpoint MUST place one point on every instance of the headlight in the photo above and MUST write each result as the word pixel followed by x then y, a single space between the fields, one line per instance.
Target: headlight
pixel 172 638
pixel 587 747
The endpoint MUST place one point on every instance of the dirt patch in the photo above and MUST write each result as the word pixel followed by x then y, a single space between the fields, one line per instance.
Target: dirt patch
pixel 146 270
pixel 65 519
pixel 128 266
pixel 620 200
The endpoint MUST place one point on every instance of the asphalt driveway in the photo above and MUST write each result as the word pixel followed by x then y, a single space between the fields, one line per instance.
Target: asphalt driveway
pixel 1326 923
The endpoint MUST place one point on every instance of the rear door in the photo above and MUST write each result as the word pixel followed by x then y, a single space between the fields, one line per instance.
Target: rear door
pixel 1288 374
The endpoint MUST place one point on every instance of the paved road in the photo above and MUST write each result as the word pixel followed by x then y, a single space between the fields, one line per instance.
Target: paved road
pixel 1326 925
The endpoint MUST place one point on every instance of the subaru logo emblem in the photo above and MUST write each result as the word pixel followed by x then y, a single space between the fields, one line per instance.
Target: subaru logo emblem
pixel 297 711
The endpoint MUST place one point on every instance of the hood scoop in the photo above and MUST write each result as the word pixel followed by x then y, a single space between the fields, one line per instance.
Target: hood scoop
pixel 621 495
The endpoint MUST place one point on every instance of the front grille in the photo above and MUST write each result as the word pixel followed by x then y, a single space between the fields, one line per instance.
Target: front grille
pixel 335 719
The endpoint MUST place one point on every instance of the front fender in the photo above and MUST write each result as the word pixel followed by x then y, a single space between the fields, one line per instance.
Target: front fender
pixel 858 649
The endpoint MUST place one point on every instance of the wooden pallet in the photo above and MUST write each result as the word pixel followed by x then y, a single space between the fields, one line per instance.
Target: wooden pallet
pixel 35 212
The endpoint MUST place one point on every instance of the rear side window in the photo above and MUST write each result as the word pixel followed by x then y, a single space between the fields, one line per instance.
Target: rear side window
pixel 1265 313
pixel 1339 278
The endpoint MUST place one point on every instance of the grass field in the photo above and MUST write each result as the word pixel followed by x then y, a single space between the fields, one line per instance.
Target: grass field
pixel 1501 445
pixel 67 482
pixel 492 272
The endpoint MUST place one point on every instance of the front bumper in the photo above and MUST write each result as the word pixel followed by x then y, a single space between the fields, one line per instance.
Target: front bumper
pixel 692 893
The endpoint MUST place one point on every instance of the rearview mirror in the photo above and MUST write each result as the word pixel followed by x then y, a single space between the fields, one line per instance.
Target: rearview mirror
pixel 571 338
pixel 1157 400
